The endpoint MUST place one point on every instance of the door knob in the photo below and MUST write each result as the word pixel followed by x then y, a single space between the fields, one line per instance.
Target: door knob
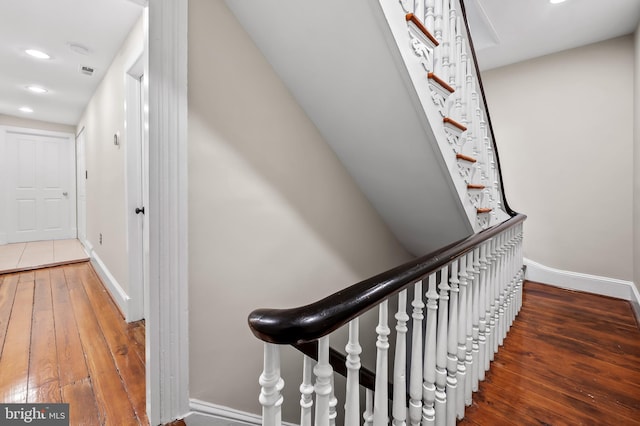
pixel 139 210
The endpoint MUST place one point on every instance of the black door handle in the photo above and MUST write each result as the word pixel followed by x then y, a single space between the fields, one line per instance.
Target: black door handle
pixel 139 210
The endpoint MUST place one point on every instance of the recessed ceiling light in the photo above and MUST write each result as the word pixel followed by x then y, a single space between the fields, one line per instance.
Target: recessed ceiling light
pixel 25 109
pixel 556 1
pixel 37 54
pixel 37 89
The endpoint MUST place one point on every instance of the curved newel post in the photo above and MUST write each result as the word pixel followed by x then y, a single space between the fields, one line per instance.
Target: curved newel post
pixel 306 392
pixel 452 346
pixel 429 369
pixel 415 367
pixel 380 397
pixel 271 386
pixel 323 372
pixel 353 364
pixel 441 348
pixel 399 411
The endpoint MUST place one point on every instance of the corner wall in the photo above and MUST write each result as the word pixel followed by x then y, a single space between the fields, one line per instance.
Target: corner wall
pixel 564 128
pixel 274 218
pixel 105 162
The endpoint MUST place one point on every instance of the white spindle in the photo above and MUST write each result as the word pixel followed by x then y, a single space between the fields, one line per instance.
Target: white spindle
pixel 468 359
pixel 429 15
pixel 475 319
pixel 368 410
pixel 399 411
pixel 437 53
pixel 445 41
pixel 452 345
pixel 353 349
pixel 491 294
pixel 441 348
pixel 462 337
pixel 501 289
pixel 306 392
pixel 381 399
pixel 271 386
pixel 323 372
pixel 482 313
pixel 429 369
pixel 453 44
pixel 415 367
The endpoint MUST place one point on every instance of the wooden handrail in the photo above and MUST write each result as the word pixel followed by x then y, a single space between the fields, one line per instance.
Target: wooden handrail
pixel 466 158
pixel 308 323
pixel 410 17
pixel 441 82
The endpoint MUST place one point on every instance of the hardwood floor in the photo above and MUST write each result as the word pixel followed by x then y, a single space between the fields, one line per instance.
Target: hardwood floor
pixel 569 359
pixel 62 339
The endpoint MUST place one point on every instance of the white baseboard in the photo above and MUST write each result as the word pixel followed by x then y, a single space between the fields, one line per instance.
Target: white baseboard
pixel 207 414
pixel 117 293
pixel 604 286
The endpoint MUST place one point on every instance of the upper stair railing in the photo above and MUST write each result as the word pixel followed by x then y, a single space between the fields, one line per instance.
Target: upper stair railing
pixel 463 298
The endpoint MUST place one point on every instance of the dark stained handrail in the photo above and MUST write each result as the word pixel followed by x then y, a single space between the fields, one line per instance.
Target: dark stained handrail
pixel 308 323
pixel 506 205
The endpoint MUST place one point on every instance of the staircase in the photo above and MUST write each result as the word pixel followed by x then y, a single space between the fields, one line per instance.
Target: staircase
pixel 393 87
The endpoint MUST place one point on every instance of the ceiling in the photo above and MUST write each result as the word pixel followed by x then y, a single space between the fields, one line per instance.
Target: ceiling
pixel 53 26
pixel 509 31
pixel 504 32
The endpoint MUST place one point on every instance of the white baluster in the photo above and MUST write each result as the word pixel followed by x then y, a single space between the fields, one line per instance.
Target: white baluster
pixel 306 392
pixel 500 295
pixel 462 337
pixel 482 312
pixel 475 320
pixel 445 41
pixel 441 349
pixel 429 370
pixel 271 386
pixel 452 345
pixel 468 360
pixel 453 44
pixel 429 14
pixel 491 318
pixel 323 372
pixel 437 52
pixel 353 349
pixel 400 363
pixel 415 368
pixel 381 399
pixel 368 410
pixel 333 403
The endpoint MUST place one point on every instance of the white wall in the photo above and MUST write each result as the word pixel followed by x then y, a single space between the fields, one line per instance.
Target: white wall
pixel 274 219
pixel 636 162
pixel 10 120
pixel 564 128
pixel 102 118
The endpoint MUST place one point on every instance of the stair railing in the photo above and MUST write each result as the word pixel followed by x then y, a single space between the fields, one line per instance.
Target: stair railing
pixel 473 293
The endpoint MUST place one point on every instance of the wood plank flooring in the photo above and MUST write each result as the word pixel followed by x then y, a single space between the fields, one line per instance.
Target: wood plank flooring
pixel 570 359
pixel 62 339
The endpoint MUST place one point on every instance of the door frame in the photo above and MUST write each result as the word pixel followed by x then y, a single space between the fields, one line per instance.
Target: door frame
pixel 136 181
pixel 4 174
pixel 81 182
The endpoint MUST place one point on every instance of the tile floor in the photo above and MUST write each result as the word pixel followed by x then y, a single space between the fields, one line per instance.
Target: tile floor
pixel 24 256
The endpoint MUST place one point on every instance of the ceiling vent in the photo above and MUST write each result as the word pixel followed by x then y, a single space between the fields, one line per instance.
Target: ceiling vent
pixel 86 70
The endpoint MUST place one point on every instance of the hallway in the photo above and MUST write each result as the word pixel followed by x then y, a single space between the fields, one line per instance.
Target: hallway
pixel 38 254
pixel 62 339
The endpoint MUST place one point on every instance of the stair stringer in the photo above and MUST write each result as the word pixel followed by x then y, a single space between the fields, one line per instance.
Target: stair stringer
pixel 341 63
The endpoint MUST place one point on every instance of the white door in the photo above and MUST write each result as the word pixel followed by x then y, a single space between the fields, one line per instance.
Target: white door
pixel 40 186
pixel 81 184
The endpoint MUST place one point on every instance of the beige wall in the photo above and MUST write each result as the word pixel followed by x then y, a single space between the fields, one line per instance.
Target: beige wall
pixel 103 117
pixel 564 129
pixel 274 219
pixel 636 162
pixel 10 120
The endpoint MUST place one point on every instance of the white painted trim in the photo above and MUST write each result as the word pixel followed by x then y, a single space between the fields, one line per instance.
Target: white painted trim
pixel 167 327
pixel 207 414
pixel 604 286
pixel 117 293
